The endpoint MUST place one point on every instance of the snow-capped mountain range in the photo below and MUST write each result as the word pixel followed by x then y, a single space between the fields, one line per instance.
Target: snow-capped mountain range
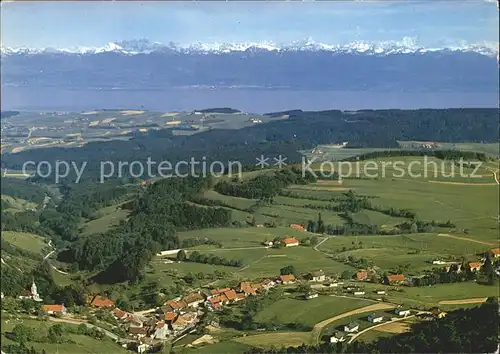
pixel 143 46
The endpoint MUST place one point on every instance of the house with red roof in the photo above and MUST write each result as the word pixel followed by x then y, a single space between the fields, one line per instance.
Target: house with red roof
pixel 53 309
pixel 290 241
pixel 101 302
pixel 361 275
pixel 474 266
pixel 298 227
pixel 495 252
pixel 287 279
pixel 394 279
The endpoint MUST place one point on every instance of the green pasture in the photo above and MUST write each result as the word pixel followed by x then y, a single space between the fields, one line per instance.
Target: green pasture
pixel 308 312
pixel 243 237
pixel 82 344
pixel 26 241
pixel 108 218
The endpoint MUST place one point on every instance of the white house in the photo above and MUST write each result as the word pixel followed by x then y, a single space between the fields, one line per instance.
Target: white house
pixel 161 331
pixel 311 296
pixel 351 327
pixel 380 292
pixel 375 318
pixel 401 312
pixel 438 261
pixel 359 293
pixel 337 337
pixel 318 276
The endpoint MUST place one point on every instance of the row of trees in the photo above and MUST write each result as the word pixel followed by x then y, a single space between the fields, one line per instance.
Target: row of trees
pixel 197 257
pixel 264 187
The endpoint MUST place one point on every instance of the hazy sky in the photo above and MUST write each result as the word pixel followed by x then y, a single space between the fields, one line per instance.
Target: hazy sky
pixel 431 23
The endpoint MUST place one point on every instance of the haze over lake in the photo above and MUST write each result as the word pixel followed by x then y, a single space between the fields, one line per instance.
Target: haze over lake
pixel 250 100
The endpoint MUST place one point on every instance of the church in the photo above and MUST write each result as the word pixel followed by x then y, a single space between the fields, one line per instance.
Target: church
pixel 31 294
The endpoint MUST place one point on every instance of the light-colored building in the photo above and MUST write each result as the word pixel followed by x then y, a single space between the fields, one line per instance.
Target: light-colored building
pixel 311 296
pixel 351 327
pixel 318 276
pixel 402 312
pixel 290 241
pixel 53 309
pixel 337 337
pixel 375 318
pixel 31 294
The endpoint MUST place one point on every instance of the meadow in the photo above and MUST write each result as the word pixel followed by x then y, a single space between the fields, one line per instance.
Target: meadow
pixel 108 217
pixel 81 343
pixel 26 241
pixel 308 312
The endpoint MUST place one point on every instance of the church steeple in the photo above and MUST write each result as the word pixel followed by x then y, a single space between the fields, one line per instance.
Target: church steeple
pixel 34 289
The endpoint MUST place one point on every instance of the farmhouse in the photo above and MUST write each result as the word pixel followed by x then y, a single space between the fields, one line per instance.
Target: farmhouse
pixel 358 292
pixel 375 318
pixel 380 292
pixel 268 284
pixel 351 327
pixel 214 292
pixel 495 252
pixel 290 241
pixel 337 337
pixel 169 316
pixel 402 312
pixel 297 227
pixel 161 330
pixel 318 276
pixel 175 306
pixel 230 295
pixel 311 296
pixel 394 279
pixel 101 301
pixel 287 279
pixel 474 266
pixel 246 288
pixel 193 300
pixel 239 297
pixel 138 332
pixel 119 314
pixel 53 309
pixel 361 275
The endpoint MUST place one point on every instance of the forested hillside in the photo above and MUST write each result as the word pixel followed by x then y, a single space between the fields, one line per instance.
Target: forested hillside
pixel 300 131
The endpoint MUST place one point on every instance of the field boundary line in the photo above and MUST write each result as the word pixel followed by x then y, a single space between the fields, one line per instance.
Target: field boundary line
pixel 473 300
pixel 467 239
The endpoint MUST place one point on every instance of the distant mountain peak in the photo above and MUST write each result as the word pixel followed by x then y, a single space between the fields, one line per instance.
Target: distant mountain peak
pixel 143 46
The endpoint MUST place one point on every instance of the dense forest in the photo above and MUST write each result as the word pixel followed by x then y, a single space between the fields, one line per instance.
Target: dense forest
pixel 265 186
pixel 473 330
pixel 302 130
pixel 156 214
pixel 19 188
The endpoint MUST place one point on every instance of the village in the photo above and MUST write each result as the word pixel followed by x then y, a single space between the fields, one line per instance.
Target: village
pixel 182 315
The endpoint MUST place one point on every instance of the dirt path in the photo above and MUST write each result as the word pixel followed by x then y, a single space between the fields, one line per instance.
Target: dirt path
pixel 467 239
pixel 475 300
pixel 464 183
pixel 318 327
pixel 353 338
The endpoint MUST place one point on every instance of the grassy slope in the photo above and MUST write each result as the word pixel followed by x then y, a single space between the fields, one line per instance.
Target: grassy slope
pixel 26 241
pixel 84 344
pixel 308 312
